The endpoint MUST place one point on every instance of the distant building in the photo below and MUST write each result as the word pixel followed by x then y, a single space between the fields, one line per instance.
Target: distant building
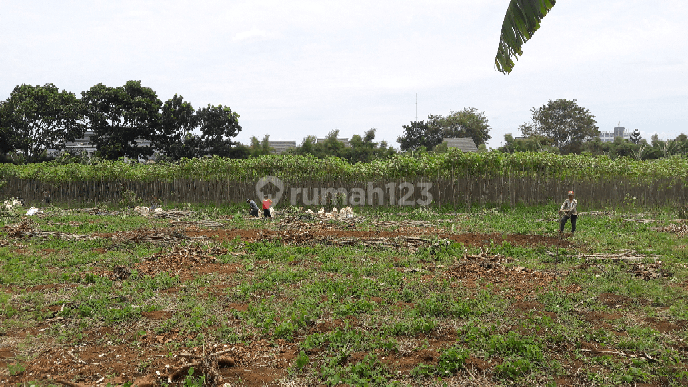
pixel 466 144
pixel 282 146
pixel 619 131
pixel 84 146
pixel 517 137
pixel 81 145
pixel 344 141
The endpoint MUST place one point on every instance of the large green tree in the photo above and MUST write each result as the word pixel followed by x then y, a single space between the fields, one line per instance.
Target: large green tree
pixel 530 144
pixel 5 132
pixel 218 125
pixel 564 122
pixel 364 148
pixel 37 118
pixel 360 149
pixel 177 121
pixel 468 122
pixel 521 21
pixel 635 137
pixel 307 147
pixel 420 134
pixel 119 116
pixel 260 148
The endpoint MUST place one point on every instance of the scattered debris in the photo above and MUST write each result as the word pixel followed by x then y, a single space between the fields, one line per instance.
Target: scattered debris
pixel 158 212
pixel 175 214
pixel 22 229
pixel 624 255
pixel 405 223
pixel 206 364
pixel 94 211
pixel 121 272
pixel 198 223
pixel 27 228
pixel 33 211
pixel 597 213
pixel 344 213
pixel 649 271
pixel 12 203
pixel 158 236
pixel 641 221
pixel 516 282
pixel 143 211
pixel 680 229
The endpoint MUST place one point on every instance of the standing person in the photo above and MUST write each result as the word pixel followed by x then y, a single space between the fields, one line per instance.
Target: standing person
pixel 569 211
pixel 254 207
pixel 266 206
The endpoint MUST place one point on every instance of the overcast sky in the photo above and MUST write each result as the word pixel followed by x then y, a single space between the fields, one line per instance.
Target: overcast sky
pixel 297 68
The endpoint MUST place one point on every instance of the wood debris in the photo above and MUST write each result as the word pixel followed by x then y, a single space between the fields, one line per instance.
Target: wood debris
pixel 624 255
pixel 680 229
pixel 159 236
pixel 198 223
pixel 206 364
pixel 649 271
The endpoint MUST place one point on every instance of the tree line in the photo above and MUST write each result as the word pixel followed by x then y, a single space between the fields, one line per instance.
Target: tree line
pixel 418 137
pixel 37 118
pixel 562 126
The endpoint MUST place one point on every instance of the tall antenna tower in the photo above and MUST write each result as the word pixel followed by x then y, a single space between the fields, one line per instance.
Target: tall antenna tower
pixel 416 107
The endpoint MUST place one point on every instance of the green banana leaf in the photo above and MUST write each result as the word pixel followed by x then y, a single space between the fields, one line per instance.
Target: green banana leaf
pixel 521 21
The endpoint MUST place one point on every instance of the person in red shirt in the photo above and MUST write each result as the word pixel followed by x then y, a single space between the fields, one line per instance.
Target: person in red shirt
pixel 266 206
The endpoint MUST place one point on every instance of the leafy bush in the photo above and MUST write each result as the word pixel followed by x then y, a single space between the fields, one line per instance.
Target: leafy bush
pixel 298 168
pixel 452 360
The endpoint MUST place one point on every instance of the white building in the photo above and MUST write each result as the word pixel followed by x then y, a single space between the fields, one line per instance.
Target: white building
pixel 282 146
pixel 84 146
pixel 466 144
pixel 619 131
pixel 81 145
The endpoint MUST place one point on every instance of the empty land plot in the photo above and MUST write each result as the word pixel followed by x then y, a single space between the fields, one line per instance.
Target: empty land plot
pixel 415 298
